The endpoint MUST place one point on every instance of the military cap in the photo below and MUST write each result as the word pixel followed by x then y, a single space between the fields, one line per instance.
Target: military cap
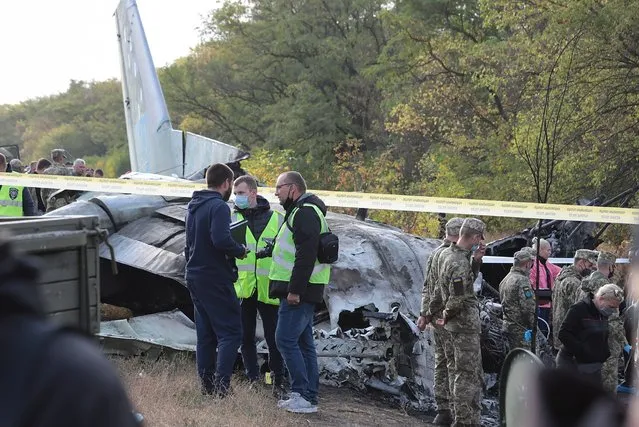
pixel 15 163
pixel 59 151
pixel 453 225
pixel 606 258
pixel 475 225
pixel 587 254
pixel 525 254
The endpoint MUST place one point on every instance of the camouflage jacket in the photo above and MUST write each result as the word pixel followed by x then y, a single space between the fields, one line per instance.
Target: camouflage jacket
pixel 456 286
pixel 55 169
pixel 565 294
pixel 431 296
pixel 58 169
pixel 517 299
pixel 617 337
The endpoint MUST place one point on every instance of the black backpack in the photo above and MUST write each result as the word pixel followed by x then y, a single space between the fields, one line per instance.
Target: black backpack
pixel 328 250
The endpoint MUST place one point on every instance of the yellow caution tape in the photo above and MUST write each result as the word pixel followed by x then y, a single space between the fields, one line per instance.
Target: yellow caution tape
pixel 345 199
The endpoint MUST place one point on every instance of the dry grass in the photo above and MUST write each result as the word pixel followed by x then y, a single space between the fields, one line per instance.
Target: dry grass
pixel 167 394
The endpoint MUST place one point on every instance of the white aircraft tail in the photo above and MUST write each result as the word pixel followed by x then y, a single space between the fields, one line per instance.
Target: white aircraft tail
pixel 154 146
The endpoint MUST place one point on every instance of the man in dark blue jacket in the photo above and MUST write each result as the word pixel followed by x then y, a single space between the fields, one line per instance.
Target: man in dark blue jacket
pixel 210 273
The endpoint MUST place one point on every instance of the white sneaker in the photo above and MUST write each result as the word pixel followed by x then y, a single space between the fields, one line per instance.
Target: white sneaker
pixel 299 405
pixel 285 402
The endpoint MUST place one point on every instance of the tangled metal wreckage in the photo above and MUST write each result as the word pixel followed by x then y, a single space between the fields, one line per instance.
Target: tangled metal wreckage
pixel 365 331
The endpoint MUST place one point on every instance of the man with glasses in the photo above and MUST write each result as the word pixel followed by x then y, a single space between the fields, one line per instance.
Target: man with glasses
pixel 584 332
pixel 568 287
pixel 297 278
pixel 617 339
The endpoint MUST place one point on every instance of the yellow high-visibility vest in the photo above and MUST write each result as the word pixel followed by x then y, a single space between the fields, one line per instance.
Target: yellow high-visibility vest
pixel 284 253
pixel 252 273
pixel 11 201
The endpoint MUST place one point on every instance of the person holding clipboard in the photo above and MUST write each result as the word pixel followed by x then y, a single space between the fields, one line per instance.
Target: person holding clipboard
pixel 210 273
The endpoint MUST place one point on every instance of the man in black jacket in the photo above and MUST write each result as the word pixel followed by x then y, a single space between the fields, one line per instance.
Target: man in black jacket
pixel 210 273
pixel 298 279
pixel 584 332
pixel 50 376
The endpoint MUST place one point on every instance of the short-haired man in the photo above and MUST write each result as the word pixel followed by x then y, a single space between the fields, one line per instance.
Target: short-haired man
pixel 432 307
pixel 15 200
pixel 518 300
pixel 584 332
pixel 37 193
pixel 253 283
pixel 210 273
pixel 58 155
pixel 16 166
pixel 606 262
pixel 99 173
pixel 461 319
pixel 568 288
pixel 79 167
pixel 298 279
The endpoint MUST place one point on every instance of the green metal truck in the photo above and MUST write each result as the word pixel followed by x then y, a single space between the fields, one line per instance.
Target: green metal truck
pixel 67 249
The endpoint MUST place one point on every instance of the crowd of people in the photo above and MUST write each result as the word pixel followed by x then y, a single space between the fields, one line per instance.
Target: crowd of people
pixel 36 201
pixel 580 308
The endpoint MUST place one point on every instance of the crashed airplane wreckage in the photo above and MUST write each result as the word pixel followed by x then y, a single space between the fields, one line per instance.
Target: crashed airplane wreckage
pixel 365 332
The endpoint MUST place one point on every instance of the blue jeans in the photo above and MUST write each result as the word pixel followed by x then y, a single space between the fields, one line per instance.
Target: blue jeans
pixel 218 326
pixel 294 337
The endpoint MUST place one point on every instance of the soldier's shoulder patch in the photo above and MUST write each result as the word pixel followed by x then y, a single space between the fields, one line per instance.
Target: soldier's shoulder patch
pixel 527 292
pixel 458 285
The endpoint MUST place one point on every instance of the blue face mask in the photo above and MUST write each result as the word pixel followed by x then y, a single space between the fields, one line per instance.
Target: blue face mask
pixel 242 201
pixel 474 248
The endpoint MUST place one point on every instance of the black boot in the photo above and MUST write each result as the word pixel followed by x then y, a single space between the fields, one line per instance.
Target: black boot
pixel 280 388
pixel 443 418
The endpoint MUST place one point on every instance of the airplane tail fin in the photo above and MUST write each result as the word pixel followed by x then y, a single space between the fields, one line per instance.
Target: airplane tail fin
pixel 154 146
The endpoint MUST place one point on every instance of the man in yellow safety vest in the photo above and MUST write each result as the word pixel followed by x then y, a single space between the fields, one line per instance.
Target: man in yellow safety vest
pixel 252 282
pixel 298 279
pixel 14 200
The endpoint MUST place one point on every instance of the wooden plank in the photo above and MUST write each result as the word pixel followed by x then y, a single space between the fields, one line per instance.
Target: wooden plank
pixel 59 266
pixel 61 296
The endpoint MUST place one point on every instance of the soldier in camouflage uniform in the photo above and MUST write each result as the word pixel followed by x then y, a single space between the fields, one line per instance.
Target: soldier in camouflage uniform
pixel 461 320
pixel 58 168
pixel 617 337
pixel 430 312
pixel 518 299
pixel 568 287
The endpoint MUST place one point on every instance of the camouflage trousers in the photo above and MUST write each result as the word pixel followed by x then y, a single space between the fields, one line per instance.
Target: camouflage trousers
pixel 443 354
pixel 515 336
pixel 610 369
pixel 466 374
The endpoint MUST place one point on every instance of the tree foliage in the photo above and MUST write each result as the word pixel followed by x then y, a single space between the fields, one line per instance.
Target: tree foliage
pixel 492 99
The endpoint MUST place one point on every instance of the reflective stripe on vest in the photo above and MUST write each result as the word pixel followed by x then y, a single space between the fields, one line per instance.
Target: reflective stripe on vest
pixel 284 253
pixel 11 201
pixel 252 273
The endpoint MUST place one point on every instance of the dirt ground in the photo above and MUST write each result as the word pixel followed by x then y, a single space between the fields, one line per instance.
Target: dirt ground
pixel 167 394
